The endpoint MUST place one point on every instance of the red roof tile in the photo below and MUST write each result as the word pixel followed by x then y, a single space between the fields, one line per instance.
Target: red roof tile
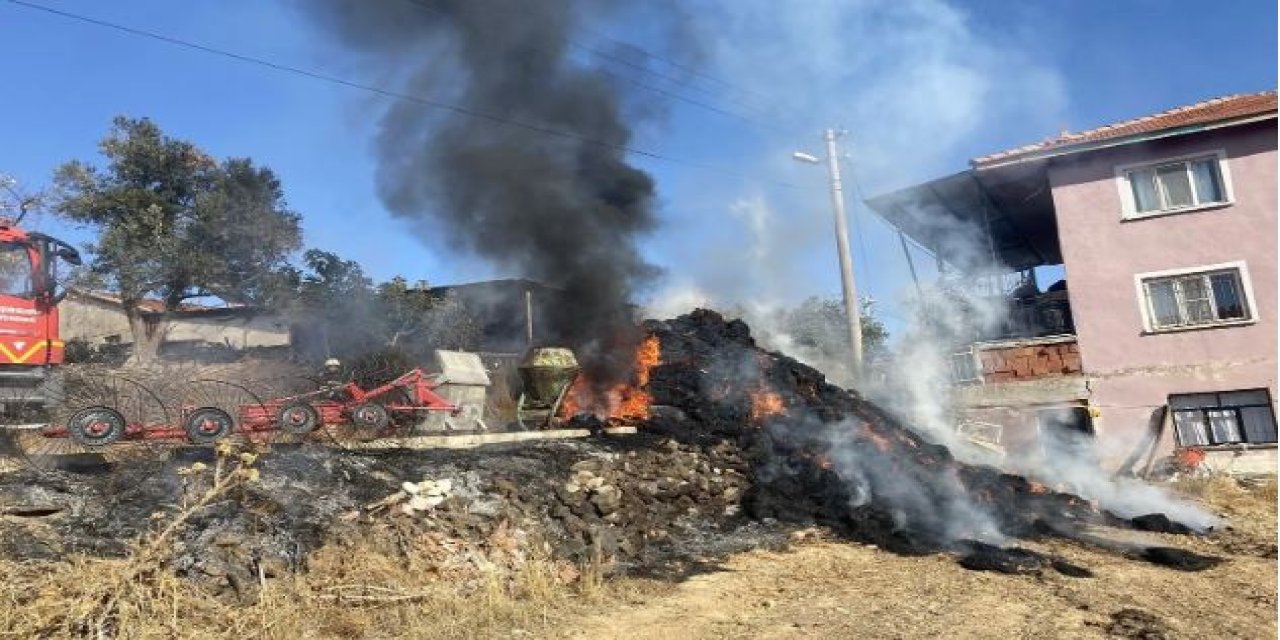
pixel 1231 107
pixel 151 305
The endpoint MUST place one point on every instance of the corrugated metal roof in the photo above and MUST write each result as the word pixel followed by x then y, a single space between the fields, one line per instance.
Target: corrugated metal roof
pixel 1226 108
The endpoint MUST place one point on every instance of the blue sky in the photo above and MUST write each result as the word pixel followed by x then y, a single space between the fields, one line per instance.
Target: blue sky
pixel 921 85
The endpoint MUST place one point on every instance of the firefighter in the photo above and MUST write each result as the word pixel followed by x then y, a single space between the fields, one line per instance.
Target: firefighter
pixel 333 378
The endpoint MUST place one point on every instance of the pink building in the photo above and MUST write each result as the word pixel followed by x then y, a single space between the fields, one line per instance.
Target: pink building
pixel 1162 334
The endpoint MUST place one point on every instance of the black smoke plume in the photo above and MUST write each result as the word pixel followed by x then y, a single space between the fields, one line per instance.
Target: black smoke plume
pixel 566 210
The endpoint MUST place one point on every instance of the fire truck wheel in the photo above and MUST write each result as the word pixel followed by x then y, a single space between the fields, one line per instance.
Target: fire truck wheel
pixel 96 426
pixel 298 417
pixel 207 425
pixel 370 415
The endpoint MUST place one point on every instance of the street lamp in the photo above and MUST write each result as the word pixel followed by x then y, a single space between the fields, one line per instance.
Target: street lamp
pixel 848 286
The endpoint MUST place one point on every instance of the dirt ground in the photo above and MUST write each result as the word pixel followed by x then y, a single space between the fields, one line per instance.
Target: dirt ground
pixel 826 589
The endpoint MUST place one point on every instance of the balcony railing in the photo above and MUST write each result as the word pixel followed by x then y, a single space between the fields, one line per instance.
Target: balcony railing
pixel 1016 360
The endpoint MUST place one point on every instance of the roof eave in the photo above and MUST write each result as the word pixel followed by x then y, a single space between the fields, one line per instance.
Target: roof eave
pixel 1085 147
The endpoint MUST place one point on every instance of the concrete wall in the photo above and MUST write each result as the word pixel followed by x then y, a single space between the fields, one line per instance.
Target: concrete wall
pixel 1133 371
pixel 96 321
pixel 91 320
pixel 236 331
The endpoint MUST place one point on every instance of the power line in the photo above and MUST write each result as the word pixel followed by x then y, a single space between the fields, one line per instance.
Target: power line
pixel 426 6
pixel 862 197
pixel 671 94
pixel 678 65
pixel 387 93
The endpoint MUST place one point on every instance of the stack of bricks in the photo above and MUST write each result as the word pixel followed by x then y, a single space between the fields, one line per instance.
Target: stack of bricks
pixel 1025 363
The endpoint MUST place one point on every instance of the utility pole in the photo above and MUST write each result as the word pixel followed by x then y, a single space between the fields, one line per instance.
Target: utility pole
pixel 528 317
pixel 847 283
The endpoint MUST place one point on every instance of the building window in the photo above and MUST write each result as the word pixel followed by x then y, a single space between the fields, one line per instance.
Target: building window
pixel 1227 417
pixel 1194 182
pixel 965 367
pixel 1216 296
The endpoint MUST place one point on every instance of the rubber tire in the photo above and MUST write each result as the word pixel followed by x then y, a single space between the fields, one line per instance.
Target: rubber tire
pixel 371 416
pixel 310 418
pixel 79 422
pixel 196 435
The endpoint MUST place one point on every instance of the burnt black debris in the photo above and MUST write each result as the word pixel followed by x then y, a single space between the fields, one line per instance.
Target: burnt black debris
pixel 826 455
pixel 1179 559
pixel 988 557
pixel 981 556
pixel 1137 624
pixel 1159 523
pixel 737 438
pixel 646 503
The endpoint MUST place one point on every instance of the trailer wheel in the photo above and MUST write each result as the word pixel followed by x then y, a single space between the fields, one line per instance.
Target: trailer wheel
pixel 207 425
pixel 298 417
pixel 96 426
pixel 370 415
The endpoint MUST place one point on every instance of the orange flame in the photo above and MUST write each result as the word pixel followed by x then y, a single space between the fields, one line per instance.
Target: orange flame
pixel 1036 487
pixel 622 401
pixel 766 403
pixel 880 441
pixel 823 461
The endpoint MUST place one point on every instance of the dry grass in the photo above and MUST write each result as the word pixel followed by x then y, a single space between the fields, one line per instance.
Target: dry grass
pixel 1249 506
pixel 398 581
pixel 838 590
pixel 348 593
pixel 1227 492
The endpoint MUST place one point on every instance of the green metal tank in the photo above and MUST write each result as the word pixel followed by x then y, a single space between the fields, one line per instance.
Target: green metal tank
pixel 546 373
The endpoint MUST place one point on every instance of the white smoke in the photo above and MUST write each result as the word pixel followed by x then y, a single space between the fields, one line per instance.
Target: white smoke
pixel 915 83
pixel 1070 459
pixel 944 507
pixel 920 389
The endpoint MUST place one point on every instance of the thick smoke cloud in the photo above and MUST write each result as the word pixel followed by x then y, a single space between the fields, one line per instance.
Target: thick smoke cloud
pixel 566 210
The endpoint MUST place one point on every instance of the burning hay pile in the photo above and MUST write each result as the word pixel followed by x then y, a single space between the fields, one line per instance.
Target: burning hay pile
pixel 729 434
pixel 823 454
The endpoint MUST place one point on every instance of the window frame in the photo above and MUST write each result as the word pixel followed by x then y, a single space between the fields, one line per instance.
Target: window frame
pixel 1246 292
pixel 1269 403
pixel 1129 207
pixel 975 361
pixel 28 275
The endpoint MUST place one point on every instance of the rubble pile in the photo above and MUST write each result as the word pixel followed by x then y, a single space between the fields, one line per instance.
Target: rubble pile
pixel 624 503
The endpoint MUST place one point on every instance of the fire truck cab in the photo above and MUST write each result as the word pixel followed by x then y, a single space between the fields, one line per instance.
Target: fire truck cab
pixel 30 347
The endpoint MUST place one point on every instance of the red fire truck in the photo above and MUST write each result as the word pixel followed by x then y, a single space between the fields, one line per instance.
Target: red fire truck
pixel 30 348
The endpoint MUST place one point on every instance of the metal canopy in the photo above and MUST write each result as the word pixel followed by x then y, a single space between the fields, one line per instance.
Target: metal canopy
pixel 977 218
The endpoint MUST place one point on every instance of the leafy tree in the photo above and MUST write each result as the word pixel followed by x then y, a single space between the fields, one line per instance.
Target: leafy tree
pixel 331 282
pixel 413 315
pixel 16 202
pixel 330 300
pixel 173 223
pixel 341 313
pixel 821 324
